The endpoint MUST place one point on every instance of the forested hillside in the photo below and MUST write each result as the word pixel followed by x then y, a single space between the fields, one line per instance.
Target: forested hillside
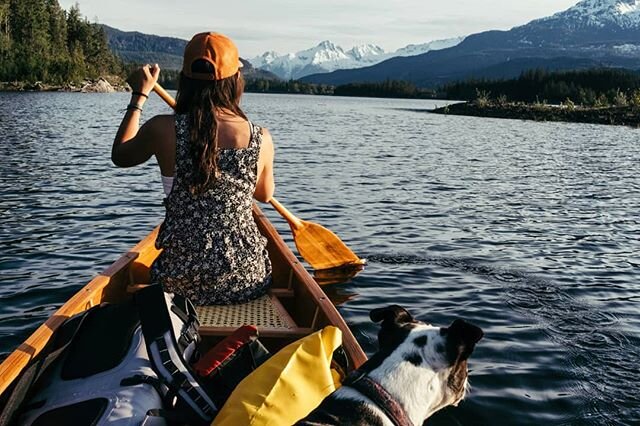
pixel 138 48
pixel 40 41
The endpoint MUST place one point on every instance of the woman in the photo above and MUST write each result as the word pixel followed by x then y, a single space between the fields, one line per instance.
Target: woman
pixel 213 162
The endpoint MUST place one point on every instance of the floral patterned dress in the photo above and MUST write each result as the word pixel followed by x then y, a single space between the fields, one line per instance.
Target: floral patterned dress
pixel 213 252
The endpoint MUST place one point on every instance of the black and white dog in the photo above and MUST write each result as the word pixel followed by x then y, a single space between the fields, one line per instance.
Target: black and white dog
pixel 418 370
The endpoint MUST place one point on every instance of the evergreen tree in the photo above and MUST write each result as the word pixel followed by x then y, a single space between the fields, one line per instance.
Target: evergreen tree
pixel 29 26
pixel 39 41
pixel 60 59
pixel 6 62
pixel 587 87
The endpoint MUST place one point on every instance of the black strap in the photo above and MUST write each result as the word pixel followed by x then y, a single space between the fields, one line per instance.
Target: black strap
pixel 251 130
pixel 184 309
pixel 154 316
pixel 36 369
pixel 380 396
pixel 156 325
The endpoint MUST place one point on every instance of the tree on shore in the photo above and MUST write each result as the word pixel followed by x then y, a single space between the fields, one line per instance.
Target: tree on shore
pixel 592 87
pixel 386 89
pixel 40 41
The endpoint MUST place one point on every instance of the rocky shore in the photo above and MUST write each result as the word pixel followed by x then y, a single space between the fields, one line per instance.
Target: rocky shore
pixel 101 85
pixel 623 116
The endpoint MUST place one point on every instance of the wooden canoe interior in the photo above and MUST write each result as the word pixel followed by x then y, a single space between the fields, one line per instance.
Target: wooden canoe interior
pixel 293 290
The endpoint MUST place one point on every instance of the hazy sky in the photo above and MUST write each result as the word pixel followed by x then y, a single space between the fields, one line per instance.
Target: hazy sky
pixel 289 26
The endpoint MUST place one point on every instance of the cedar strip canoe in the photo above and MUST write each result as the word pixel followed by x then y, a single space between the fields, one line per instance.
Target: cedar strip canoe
pixel 297 296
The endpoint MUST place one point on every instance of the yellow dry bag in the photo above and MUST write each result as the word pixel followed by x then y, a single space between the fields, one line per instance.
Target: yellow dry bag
pixel 288 386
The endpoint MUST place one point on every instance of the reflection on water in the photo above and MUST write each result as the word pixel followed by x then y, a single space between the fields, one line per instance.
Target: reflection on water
pixel 338 295
pixel 338 275
pixel 530 230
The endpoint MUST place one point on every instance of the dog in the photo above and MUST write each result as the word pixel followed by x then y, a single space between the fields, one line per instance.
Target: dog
pixel 418 370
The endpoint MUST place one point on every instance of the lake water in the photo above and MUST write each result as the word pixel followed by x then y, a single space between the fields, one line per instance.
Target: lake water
pixel 529 230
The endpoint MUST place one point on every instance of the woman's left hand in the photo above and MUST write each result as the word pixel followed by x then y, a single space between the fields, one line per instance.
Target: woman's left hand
pixel 143 79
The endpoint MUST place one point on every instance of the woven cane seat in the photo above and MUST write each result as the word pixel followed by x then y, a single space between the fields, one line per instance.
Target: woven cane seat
pixel 264 312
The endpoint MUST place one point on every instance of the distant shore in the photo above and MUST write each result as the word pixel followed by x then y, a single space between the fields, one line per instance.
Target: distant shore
pixel 621 116
pixel 99 85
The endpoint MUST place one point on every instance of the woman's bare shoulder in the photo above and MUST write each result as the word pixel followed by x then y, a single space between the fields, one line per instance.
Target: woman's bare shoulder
pixel 161 123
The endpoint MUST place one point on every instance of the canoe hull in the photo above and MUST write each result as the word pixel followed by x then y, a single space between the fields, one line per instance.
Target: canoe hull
pixel 296 290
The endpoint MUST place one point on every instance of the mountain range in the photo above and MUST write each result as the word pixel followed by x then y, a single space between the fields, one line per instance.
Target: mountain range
pixel 136 47
pixel 327 57
pixel 593 33
pixel 139 48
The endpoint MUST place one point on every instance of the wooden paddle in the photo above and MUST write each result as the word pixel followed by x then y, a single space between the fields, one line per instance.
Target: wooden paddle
pixel 165 95
pixel 321 248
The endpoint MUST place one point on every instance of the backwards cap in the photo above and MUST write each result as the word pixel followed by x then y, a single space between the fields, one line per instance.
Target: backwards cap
pixel 215 48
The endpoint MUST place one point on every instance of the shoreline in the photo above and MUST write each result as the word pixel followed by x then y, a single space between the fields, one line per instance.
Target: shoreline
pixel 99 85
pixel 616 116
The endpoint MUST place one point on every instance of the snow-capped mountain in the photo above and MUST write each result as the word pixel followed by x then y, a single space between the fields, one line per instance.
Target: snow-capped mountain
pixel 327 57
pixel 419 49
pixel 264 59
pixel 324 57
pixel 599 13
pixel 589 25
pixel 365 51
pixel 592 33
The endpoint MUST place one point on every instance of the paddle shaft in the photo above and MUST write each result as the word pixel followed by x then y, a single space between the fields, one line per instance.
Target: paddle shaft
pixel 165 95
pixel 294 222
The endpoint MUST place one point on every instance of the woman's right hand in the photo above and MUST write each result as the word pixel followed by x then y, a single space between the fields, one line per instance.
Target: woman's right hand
pixel 144 78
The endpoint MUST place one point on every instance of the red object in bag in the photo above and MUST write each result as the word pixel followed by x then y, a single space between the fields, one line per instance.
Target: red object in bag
pixel 229 362
pixel 225 349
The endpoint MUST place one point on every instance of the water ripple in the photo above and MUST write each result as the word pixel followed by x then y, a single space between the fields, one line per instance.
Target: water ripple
pixel 528 229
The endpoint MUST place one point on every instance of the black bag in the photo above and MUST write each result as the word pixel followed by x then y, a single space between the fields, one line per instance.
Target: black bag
pixel 229 362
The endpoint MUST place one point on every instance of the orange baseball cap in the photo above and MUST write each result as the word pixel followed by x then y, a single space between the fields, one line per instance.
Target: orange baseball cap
pixel 215 48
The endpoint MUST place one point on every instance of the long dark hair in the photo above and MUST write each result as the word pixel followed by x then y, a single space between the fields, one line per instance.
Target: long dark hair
pixel 199 99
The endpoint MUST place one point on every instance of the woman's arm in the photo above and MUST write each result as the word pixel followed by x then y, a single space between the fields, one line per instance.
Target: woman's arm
pixel 130 146
pixel 265 185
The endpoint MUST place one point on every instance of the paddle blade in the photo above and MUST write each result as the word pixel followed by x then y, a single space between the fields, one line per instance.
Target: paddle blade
pixel 321 248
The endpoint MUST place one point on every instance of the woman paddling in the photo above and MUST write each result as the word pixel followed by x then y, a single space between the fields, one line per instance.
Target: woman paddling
pixel 213 162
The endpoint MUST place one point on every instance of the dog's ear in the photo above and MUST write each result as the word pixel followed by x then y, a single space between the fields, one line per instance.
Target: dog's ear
pixel 461 340
pixel 395 314
pixel 392 330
